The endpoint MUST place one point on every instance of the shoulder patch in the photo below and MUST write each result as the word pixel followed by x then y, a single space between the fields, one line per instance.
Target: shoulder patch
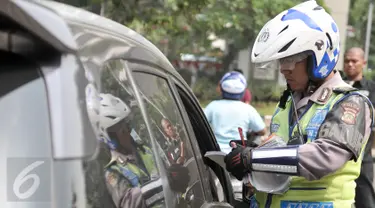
pixel 350 113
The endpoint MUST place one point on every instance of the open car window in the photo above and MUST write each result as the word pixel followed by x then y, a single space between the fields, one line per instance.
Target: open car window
pixel 170 133
pixel 219 180
pixel 124 173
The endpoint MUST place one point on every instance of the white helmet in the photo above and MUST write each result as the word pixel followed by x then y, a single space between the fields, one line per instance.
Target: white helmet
pixel 305 29
pixel 112 111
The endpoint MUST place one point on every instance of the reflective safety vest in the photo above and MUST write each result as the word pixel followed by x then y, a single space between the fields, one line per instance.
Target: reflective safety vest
pixel 146 178
pixel 132 172
pixel 336 190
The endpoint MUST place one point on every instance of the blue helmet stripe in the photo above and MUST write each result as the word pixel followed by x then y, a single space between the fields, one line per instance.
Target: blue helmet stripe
pixel 295 14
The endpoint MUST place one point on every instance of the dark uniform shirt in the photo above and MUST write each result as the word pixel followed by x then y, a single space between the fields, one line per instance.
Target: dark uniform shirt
pixel 365 195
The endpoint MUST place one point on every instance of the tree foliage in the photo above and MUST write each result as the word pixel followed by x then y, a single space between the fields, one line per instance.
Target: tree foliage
pixel 239 21
pixel 184 26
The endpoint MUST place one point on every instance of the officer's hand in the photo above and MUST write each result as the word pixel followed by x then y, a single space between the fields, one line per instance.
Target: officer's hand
pixel 238 161
pixel 248 143
pixel 237 143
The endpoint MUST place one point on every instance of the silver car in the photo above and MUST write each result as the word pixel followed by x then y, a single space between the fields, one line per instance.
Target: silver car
pixel 55 59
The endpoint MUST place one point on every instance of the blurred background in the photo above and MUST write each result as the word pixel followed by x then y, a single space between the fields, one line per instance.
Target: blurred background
pixel 206 38
pixel 203 39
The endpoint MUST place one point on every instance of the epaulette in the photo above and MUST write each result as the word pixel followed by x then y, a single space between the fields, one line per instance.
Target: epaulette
pixel 344 89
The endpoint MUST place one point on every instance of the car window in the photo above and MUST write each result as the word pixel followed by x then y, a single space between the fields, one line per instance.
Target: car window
pixel 219 179
pixel 170 132
pixel 124 172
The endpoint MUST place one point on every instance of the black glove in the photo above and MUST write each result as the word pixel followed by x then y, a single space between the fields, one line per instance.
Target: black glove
pixel 238 161
pixel 178 177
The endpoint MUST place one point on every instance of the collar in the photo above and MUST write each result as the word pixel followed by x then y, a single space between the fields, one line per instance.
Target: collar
pixel 323 93
pixel 357 84
pixel 121 158
pixel 361 83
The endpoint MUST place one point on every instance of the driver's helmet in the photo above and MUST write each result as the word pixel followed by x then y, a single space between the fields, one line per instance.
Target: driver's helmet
pixel 303 31
pixel 233 85
pixel 112 111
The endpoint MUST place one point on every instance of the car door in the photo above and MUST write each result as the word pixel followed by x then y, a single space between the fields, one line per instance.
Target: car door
pixel 125 171
pixel 215 194
pixel 170 132
pixel 224 189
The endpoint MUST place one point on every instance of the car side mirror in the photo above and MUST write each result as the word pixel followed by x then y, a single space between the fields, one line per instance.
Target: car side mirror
pixel 216 205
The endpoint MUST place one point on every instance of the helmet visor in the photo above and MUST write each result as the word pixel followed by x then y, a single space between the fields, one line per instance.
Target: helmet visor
pixel 289 63
pixel 286 63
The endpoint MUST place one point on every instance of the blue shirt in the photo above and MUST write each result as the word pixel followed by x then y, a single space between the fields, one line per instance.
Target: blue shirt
pixel 225 116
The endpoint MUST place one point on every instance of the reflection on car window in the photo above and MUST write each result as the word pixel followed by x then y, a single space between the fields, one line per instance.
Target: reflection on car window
pixel 124 174
pixel 172 140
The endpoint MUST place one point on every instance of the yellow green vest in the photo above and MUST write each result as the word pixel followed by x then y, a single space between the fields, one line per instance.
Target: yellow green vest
pixel 337 188
pixel 132 172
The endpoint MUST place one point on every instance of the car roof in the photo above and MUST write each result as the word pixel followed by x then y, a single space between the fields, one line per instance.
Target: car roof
pixel 54 23
pixel 90 20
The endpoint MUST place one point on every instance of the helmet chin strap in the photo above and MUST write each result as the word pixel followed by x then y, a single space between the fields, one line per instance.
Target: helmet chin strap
pixel 313 84
pixel 311 88
pixel 282 104
pixel 284 97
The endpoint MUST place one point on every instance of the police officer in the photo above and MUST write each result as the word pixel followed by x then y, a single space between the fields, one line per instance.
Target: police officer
pixel 354 62
pixel 132 164
pixel 323 120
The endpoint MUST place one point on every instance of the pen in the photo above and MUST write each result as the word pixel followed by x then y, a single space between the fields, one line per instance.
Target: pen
pixel 245 180
pixel 241 135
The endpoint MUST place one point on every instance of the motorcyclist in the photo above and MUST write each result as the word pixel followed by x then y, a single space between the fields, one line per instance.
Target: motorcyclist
pixel 132 165
pixel 229 113
pixel 323 120
pixel 246 98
